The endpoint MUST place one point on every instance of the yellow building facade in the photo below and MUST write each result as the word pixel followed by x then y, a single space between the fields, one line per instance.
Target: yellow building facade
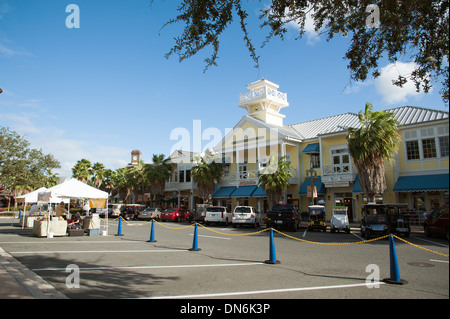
pixel 317 152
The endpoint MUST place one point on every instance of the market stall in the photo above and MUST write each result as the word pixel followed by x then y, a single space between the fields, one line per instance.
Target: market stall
pixel 74 189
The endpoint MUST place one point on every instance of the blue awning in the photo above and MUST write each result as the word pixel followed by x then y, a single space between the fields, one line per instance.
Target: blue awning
pixel 224 192
pixel 321 190
pixel 356 187
pixel 259 192
pixel 312 149
pixel 244 191
pixel 422 183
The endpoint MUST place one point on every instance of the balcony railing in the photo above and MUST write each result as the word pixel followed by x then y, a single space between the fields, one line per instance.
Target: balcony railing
pixel 263 92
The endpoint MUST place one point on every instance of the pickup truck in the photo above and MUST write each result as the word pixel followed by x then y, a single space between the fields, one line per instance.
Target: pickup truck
pixel 283 215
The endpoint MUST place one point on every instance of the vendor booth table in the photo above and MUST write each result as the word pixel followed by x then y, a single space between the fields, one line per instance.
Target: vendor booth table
pixel 41 228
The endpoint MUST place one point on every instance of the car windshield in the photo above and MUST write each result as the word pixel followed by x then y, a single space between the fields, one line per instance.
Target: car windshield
pixel 150 209
pixel 243 210
pixel 215 209
pixel 171 210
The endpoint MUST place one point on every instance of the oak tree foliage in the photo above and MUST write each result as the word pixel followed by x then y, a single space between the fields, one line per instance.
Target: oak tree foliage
pixel 412 30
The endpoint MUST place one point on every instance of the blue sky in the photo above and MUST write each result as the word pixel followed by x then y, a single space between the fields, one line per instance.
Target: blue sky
pixel 105 89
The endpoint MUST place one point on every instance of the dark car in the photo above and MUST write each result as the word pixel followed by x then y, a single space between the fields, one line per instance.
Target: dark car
pixel 436 223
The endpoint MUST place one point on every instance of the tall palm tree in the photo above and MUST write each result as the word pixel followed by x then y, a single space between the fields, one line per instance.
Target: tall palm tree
pixel 81 170
pixel 376 140
pixel 98 174
pixel 157 174
pixel 275 178
pixel 206 174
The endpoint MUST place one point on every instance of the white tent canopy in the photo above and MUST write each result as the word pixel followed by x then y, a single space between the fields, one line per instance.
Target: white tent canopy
pixel 31 197
pixel 73 188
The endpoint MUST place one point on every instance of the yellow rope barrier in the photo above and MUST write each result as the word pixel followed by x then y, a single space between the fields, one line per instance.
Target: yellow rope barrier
pixel 289 236
pixel 420 247
pixel 176 228
pixel 330 244
pixel 228 234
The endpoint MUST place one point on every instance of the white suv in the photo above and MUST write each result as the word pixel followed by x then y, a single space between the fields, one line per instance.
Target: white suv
pixel 217 214
pixel 246 215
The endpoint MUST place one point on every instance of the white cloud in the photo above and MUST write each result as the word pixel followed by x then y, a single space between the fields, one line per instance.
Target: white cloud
pixel 391 93
pixel 312 36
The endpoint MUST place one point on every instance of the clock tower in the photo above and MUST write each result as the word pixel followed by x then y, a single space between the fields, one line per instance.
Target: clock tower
pixel 135 157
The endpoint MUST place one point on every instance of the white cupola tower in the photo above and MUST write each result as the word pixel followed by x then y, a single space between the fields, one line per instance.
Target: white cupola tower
pixel 264 102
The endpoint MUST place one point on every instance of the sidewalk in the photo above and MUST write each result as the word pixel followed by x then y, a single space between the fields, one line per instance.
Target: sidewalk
pixel 19 282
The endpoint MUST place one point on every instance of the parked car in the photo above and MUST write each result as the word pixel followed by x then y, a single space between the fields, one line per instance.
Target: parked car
pixel 218 214
pixel 436 223
pixel 283 215
pixel 131 211
pixel 374 222
pixel 174 214
pixel 150 213
pixel 246 215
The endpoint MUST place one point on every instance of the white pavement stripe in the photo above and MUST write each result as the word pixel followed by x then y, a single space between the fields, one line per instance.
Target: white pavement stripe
pixel 439 261
pixel 153 267
pixel 430 241
pixel 95 251
pixel 211 237
pixel 255 292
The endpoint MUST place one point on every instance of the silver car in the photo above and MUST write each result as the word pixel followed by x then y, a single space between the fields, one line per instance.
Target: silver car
pixel 246 215
pixel 150 213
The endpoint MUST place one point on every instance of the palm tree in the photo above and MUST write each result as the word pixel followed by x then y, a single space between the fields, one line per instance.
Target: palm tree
pixel 81 170
pixel 157 174
pixel 206 174
pixel 376 140
pixel 275 178
pixel 98 174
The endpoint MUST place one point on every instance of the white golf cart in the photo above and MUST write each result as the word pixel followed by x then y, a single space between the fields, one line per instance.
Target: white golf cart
pixel 339 219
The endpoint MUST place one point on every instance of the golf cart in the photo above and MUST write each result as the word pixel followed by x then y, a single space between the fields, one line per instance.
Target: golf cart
pixel 374 222
pixel 398 221
pixel 317 218
pixel 339 219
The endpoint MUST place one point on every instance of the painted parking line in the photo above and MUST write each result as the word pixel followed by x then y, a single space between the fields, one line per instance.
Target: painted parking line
pixel 154 267
pixel 439 261
pixel 258 292
pixel 211 237
pixel 430 241
pixel 44 252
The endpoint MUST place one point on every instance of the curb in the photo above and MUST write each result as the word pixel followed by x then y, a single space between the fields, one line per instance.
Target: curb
pixel 21 283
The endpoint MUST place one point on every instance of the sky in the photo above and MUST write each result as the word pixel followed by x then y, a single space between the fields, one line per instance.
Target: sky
pixel 105 88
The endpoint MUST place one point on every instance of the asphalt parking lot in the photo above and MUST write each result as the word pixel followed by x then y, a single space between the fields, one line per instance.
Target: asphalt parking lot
pixel 229 265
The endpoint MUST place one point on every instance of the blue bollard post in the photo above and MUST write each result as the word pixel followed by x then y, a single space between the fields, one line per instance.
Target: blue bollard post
pixel 20 214
pixel 119 230
pixel 195 243
pixel 152 233
pixel 394 269
pixel 273 257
